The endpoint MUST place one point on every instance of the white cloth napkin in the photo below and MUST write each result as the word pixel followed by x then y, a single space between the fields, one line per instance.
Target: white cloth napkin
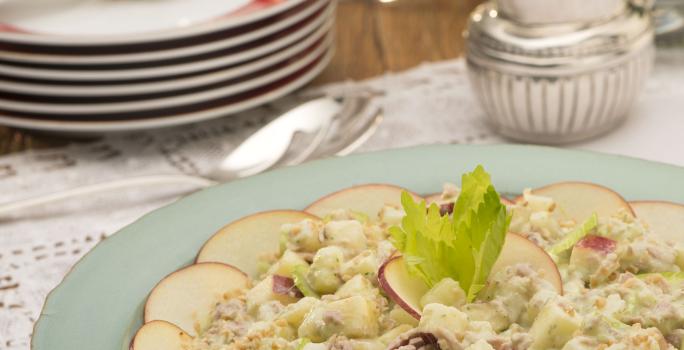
pixel 429 104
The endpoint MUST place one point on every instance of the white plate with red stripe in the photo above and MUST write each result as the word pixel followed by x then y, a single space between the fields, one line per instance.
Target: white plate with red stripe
pixel 125 22
pixel 302 31
pixel 163 50
pixel 165 117
pixel 94 107
pixel 168 82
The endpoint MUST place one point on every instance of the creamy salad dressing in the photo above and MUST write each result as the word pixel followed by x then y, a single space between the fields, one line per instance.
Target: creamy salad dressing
pixel 327 294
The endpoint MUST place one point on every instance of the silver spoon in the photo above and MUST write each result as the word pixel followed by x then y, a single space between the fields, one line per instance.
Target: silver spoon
pixel 263 150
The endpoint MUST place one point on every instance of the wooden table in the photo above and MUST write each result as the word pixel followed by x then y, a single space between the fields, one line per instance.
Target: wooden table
pixel 372 37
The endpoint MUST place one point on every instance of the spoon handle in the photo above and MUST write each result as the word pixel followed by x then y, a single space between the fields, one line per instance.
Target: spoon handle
pixel 7 208
pixel 312 118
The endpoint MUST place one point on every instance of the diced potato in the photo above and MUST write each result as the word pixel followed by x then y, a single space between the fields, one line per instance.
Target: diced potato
pixel 482 329
pixel 269 310
pixel 367 344
pixel 540 218
pixel 400 316
pixel 338 214
pixel 304 235
pixel 393 333
pixel 538 203
pixel 554 326
pixel 258 327
pixel 390 215
pixel 316 346
pixel 374 233
pixel 323 274
pixel 385 249
pixel 354 317
pixel 647 339
pixel 358 285
pixel 360 315
pixel 487 312
pixel 365 263
pixel 447 292
pixel 324 281
pixel 480 345
pixel 294 313
pixel 261 329
pixel 286 264
pixel 581 343
pixel 347 234
pixel 545 224
pixel 286 331
pixel 441 316
pixel 535 305
pixel 328 257
pixel 520 218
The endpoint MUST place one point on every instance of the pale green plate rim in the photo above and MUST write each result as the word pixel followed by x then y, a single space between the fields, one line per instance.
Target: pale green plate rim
pixel 97 305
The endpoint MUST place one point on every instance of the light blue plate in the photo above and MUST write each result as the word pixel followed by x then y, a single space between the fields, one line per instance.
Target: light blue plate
pixel 98 305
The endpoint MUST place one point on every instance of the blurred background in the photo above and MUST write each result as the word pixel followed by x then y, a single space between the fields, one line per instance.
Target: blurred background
pixel 371 38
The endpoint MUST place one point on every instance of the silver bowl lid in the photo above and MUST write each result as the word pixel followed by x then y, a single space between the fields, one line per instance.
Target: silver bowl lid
pixel 493 36
pixel 559 11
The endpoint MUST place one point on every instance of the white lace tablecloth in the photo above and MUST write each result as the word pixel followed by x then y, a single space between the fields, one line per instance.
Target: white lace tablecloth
pixel 429 104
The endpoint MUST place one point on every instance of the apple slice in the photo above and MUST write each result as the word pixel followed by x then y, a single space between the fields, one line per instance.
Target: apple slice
pixel 242 241
pixel 578 200
pixel 406 290
pixel 160 335
pixel 367 199
pixel 519 249
pixel 400 286
pixel 664 219
pixel 188 296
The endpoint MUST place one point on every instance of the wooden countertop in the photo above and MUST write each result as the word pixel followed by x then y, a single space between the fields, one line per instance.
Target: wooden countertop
pixel 372 37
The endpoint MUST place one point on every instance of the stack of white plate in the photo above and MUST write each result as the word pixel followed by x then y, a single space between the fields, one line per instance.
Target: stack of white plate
pixel 96 66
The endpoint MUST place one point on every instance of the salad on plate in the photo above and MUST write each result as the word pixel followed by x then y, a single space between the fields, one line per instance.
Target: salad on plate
pixel 567 266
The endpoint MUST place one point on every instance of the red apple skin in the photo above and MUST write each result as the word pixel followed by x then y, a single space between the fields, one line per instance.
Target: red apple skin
pixel 446 207
pixel 597 243
pixel 588 253
pixel 285 286
pixel 417 339
pixel 391 292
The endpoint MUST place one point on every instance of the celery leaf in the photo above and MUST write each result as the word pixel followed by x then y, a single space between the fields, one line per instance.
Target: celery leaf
pixel 464 246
